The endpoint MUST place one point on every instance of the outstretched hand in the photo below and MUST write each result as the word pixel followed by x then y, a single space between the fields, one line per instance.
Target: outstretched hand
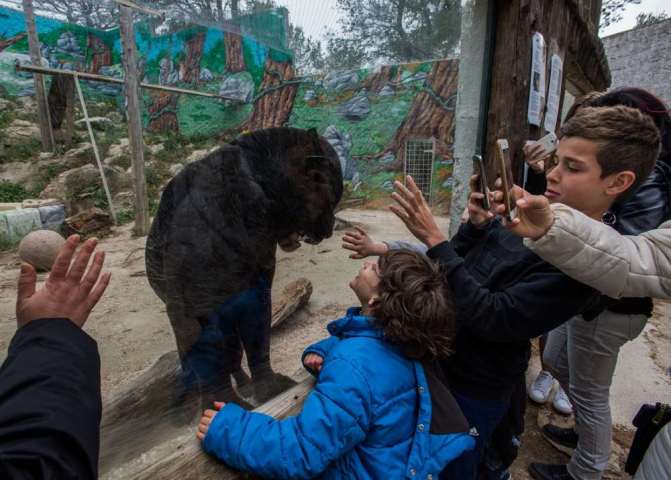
pixel 534 215
pixel 413 210
pixel 70 290
pixel 361 244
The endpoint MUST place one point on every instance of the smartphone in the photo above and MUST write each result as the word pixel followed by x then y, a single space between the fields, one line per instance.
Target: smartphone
pixel 479 170
pixel 549 142
pixel 505 173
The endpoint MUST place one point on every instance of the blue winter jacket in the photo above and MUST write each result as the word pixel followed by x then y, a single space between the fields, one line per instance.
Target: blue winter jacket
pixel 373 414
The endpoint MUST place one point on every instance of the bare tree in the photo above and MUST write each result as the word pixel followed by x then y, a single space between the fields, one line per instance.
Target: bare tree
pixel 611 11
pixel 89 13
pixel 646 19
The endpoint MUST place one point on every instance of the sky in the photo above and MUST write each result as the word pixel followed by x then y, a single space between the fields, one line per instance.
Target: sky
pixel 629 16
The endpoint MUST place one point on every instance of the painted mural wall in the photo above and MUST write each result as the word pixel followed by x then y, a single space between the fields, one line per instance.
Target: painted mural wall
pixel 367 115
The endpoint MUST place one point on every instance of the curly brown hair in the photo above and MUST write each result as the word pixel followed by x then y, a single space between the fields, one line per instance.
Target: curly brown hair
pixel 415 309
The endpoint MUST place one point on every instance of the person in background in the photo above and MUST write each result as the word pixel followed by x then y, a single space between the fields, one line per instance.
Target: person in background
pixel 50 402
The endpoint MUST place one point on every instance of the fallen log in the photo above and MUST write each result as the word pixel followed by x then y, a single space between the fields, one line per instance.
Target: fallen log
pixel 146 411
pixel 182 457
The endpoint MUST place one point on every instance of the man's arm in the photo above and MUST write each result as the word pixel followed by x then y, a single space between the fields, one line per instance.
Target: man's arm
pixel 617 265
pixel 544 299
pixel 50 403
pixel 50 382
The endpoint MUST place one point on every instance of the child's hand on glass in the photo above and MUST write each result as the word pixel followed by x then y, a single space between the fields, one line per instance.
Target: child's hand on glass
pixel 206 419
pixel 313 362
pixel 362 245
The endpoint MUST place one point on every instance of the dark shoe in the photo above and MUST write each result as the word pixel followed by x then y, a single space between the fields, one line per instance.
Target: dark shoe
pixel 546 471
pixel 563 439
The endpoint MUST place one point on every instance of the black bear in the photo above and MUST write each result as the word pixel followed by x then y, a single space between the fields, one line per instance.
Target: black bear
pixel 210 253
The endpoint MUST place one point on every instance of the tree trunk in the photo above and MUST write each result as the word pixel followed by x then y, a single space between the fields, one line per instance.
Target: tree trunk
pixel 191 65
pixel 61 91
pixel 235 62
pixel 7 42
pixel 101 55
pixel 163 113
pixel 431 114
pixel 376 81
pixel 273 108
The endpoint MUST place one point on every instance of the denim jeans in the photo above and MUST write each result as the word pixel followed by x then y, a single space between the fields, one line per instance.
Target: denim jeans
pixel 484 416
pixel 582 356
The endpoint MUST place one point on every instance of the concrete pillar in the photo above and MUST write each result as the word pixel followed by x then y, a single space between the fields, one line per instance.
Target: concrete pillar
pixel 470 101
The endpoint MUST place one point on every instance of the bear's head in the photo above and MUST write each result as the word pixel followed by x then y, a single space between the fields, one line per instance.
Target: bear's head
pixel 301 172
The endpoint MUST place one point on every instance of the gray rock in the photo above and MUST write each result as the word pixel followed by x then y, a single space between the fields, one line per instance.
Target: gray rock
pixel 156 149
pixel 67 43
pixel 341 81
pixel 387 158
pixel 176 168
pixel 19 132
pixel 238 86
pixel 124 200
pixel 197 155
pixel 73 186
pixel 111 71
pixel 388 185
pixel 80 155
pixel 309 95
pixel 407 77
pixel 4 104
pixel 357 108
pixel 387 91
pixel 206 75
pixel 449 181
pixel 97 123
pixel 342 144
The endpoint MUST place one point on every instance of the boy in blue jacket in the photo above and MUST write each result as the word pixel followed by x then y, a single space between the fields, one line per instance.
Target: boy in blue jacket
pixel 380 409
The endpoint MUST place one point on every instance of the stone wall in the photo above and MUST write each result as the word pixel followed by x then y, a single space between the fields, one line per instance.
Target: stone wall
pixel 642 58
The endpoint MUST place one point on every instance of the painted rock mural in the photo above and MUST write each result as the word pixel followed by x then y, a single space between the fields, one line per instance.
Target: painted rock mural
pixel 368 115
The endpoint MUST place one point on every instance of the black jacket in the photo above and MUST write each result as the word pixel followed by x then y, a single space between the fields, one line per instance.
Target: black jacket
pixel 504 295
pixel 50 403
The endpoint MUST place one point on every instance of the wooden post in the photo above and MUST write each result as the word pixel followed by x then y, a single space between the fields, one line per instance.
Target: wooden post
pixel 95 149
pixel 40 94
pixel 134 124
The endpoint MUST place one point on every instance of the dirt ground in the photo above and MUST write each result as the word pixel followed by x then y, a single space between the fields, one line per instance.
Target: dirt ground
pixel 132 329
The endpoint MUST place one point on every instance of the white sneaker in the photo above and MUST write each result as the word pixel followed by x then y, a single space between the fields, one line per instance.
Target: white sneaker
pixel 561 403
pixel 540 389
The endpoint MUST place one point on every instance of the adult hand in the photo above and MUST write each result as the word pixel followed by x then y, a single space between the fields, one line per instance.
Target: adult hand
pixel 69 292
pixel 477 215
pixel 206 420
pixel 413 210
pixel 534 215
pixel 535 156
pixel 362 245
pixel 313 362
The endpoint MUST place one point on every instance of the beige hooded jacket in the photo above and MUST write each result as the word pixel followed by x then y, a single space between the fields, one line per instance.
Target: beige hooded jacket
pixel 596 255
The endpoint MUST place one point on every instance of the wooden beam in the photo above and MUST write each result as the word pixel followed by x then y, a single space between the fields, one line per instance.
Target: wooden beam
pixel 95 150
pixel 102 78
pixel 40 94
pixel 134 123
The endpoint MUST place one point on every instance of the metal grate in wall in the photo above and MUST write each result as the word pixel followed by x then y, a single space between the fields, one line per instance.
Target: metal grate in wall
pixel 419 155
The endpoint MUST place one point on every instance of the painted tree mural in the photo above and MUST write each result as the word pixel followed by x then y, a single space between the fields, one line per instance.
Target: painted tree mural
pixel 278 89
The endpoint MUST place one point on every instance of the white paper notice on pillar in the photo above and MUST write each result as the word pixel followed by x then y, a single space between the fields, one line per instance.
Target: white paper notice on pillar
pixel 537 81
pixel 554 94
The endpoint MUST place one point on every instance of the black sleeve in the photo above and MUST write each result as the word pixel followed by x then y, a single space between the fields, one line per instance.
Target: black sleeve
pixel 544 299
pixel 50 403
pixel 467 236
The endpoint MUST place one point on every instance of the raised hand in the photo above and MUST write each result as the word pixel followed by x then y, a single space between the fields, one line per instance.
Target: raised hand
pixel 362 245
pixel 535 156
pixel 534 215
pixel 70 290
pixel 477 215
pixel 413 210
